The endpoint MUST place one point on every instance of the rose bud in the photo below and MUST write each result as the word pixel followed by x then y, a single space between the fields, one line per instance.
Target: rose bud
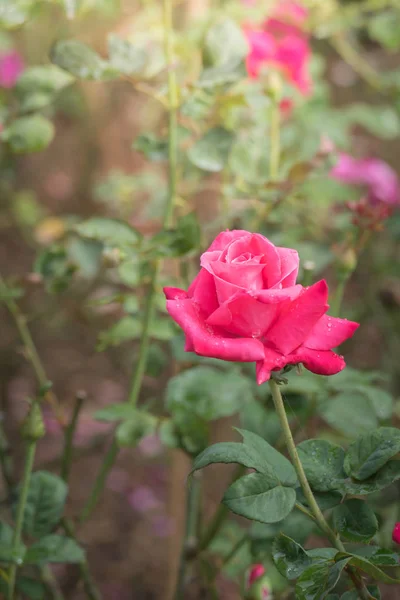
pixel 257 586
pixel 396 533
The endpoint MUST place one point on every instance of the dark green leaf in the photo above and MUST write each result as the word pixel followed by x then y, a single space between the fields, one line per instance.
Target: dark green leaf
pixel 54 549
pixel 81 61
pixel 280 465
pixel 368 453
pixel 355 520
pixel 211 152
pixel 28 134
pixel 323 464
pixel 231 452
pixel 325 500
pixel 108 231
pixel 317 581
pixel 387 475
pixel 257 497
pixel 124 56
pixel 116 412
pixel 153 147
pixel 179 241
pixel 289 557
pixel 380 557
pixel 31 588
pixel 131 432
pixel 368 567
pixel 37 86
pixel 45 504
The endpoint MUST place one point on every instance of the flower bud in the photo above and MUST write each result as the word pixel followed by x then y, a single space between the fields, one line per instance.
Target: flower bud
pixel 258 586
pixel 33 427
pixel 396 533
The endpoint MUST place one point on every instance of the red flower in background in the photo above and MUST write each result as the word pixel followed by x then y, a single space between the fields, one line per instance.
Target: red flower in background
pixel 11 67
pixel 396 533
pixel 245 306
pixel 281 43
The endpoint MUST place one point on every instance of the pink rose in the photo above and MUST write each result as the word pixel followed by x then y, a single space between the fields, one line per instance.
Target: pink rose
pixel 11 67
pixel 255 572
pixel 396 533
pixel 381 181
pixel 245 306
pixel 281 43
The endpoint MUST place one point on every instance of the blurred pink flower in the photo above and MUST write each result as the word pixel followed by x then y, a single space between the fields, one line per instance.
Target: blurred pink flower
pixel 150 446
pixel 281 43
pixel 11 67
pixel 143 499
pixel 162 526
pixel 381 181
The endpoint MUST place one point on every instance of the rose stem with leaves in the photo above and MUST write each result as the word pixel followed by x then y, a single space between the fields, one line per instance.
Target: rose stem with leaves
pixel 305 486
pixel 140 366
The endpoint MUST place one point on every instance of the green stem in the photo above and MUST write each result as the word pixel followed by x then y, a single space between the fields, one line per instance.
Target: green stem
pixel 91 590
pixel 23 495
pixel 305 486
pixel 6 461
pixel 137 378
pixel 69 431
pixel 30 348
pixel 189 546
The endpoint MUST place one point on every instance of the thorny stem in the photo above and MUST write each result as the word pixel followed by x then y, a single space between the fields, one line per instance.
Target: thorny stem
pixel 23 495
pixel 189 546
pixel 138 373
pixel 30 348
pixel 69 437
pixel 305 486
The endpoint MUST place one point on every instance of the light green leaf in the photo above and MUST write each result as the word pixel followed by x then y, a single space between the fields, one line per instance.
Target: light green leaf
pixel 124 56
pixel 380 557
pixel 80 60
pixel 232 452
pixel 323 464
pixel 384 27
pixel 211 152
pixel 369 452
pixel 355 520
pixel 225 44
pixel 45 503
pixel 257 497
pixel 14 13
pixel 54 549
pixel 111 232
pixel 116 412
pixel 153 147
pixel 368 567
pixel 349 413
pixel 129 433
pixel 28 134
pixel 37 86
pixel 317 581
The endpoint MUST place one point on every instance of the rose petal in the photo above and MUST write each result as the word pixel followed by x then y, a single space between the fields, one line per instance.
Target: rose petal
pixel 203 291
pixel 226 237
pixel 321 362
pixel 275 295
pixel 289 266
pixel 244 275
pixel 298 318
pixel 244 315
pixel 172 293
pixel 330 332
pixel 207 341
pixel 274 361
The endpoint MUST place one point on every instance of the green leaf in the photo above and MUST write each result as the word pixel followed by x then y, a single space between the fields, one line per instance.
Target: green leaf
pixel 116 412
pixel 125 57
pixel 7 554
pixel 129 433
pixel 81 61
pixel 14 13
pixel 227 73
pixel 317 581
pixel 231 452
pixel 110 232
pixel 325 500
pixel 380 557
pixel 290 558
pixel 45 504
pixel 355 520
pixel 37 86
pixel 179 241
pixel 349 413
pixel 387 475
pixel 385 28
pixel 28 134
pixel 211 152
pixel 371 451
pixel 225 44
pixel 153 147
pixel 323 464
pixel 31 588
pixel 281 466
pixel 257 497
pixel 368 567
pixel 54 549
pixel 353 594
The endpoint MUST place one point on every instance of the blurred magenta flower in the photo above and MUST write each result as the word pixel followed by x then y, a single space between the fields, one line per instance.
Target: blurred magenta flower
pixel 281 43
pixel 396 533
pixel 255 572
pixel 11 67
pixel 143 499
pixel 380 180
pixel 257 586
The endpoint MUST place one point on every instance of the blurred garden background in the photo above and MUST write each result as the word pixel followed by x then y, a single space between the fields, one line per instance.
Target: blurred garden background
pixel 287 122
